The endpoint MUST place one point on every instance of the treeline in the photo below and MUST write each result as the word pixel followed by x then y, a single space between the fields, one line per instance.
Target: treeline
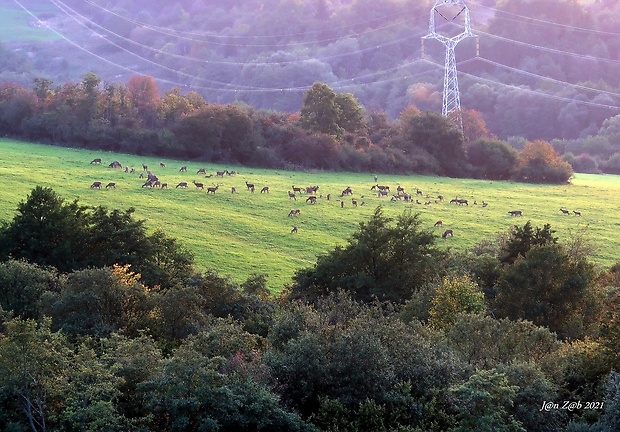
pixel 244 50
pixel 333 131
pixel 388 333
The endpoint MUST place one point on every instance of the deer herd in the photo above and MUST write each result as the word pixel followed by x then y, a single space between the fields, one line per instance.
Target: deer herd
pixel 311 192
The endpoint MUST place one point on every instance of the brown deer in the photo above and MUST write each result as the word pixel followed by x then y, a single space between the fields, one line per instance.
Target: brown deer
pixel 162 165
pixel 515 213
pixel 145 167
pixel 233 190
pixel 447 233
pixel 201 171
pixel 115 164
pixel 182 185
pixel 265 189
pixel 96 185
pixel 564 211
pixel 96 160
pixel 296 189
pixel 250 186
pixel 183 168
pixel 198 185
pixel 220 173
pixel 212 189
pixel 110 185
pixel 294 230
pixel 438 223
pixel 164 185
pixel 296 212
pixel 577 213
pixel 312 199
pixel 292 195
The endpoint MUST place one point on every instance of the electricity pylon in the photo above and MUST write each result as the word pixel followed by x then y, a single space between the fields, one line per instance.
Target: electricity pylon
pixel 451 98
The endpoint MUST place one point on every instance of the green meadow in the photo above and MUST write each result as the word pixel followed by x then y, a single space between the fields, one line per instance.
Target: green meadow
pixel 245 233
pixel 15 23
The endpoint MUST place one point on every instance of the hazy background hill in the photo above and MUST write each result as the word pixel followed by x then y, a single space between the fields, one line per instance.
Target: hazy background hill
pixel 547 69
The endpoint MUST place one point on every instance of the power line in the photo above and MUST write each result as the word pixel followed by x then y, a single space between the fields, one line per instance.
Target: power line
pixel 563 83
pixel 544 22
pixel 529 91
pixel 182 34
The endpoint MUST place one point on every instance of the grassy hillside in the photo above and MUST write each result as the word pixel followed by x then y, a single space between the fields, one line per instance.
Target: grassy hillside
pixel 244 233
pixel 16 24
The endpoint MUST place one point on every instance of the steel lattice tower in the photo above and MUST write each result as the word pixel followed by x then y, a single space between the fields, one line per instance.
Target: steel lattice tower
pixel 451 97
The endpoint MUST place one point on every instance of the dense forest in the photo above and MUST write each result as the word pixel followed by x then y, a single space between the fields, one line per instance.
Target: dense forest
pixel 104 327
pixel 546 70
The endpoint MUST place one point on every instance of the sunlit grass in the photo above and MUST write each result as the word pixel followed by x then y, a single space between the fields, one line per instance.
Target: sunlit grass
pixel 249 233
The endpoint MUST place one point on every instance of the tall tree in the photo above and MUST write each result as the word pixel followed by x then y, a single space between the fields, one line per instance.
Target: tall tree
pixel 321 112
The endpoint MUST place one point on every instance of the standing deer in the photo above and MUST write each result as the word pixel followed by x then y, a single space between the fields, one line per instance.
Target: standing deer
pixel 212 189
pixel 198 185
pixel 292 195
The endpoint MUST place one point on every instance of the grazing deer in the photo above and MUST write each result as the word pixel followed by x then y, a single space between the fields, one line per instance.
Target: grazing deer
pixel 440 197
pixel 182 185
pixel 447 233
pixel 164 185
pixel 145 167
pixel 156 183
pixel 115 164
pixel 201 171
pixel 438 223
pixel 212 189
pixel 220 173
pixel 265 189
pixel 577 213
pixel 111 185
pixel 233 172
pixel 515 213
pixel 347 191
pixel 162 165
pixel 400 189
pixel 133 171
pixel 296 212
pixel 312 199
pixel 463 201
pixel 353 202
pixel 183 168
pixel 294 230
pixel 564 211
pixel 484 204
pixel 198 185
pixel 96 160
pixel 95 185
pixel 382 193
pixel 148 183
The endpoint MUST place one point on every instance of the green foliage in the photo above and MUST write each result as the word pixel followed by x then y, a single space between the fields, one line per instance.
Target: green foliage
pixel 484 402
pixel 492 159
pixel 22 286
pixel 97 302
pixel 321 112
pixel 382 260
pixel 548 287
pixel 504 341
pixel 452 297
pixel 521 240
